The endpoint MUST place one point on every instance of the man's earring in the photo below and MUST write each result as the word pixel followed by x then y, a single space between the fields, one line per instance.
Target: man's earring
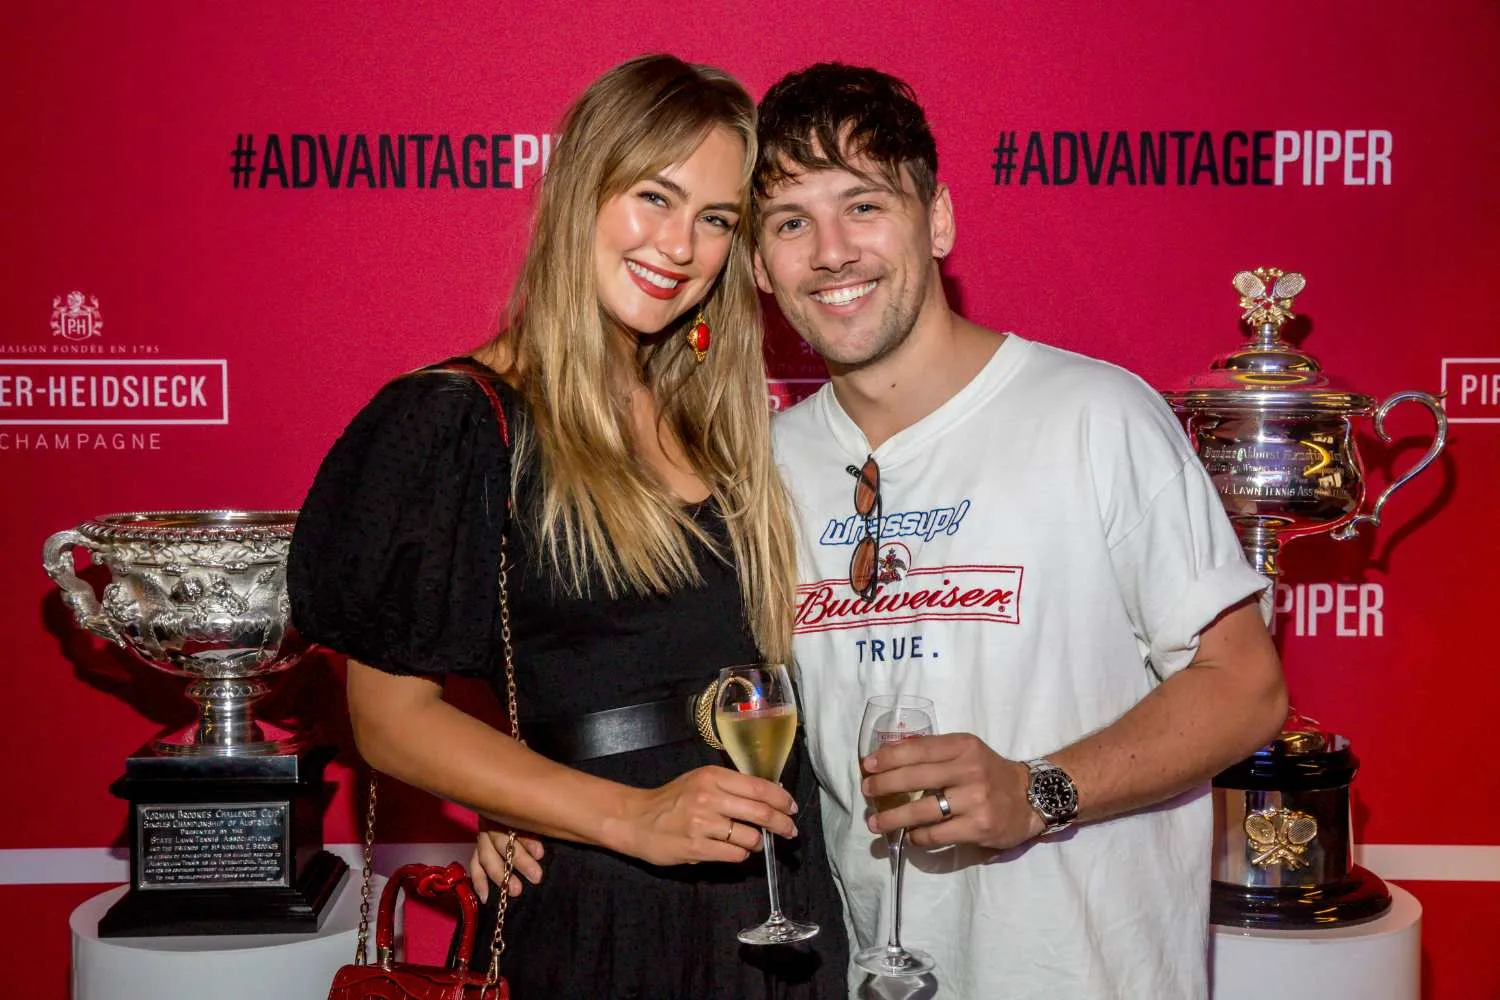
pixel 698 337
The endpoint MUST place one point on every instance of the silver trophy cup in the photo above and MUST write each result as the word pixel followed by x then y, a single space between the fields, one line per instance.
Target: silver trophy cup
pixel 1275 431
pixel 199 594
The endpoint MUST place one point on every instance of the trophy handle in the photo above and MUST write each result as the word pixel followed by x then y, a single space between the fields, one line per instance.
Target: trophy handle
pixel 57 560
pixel 1439 438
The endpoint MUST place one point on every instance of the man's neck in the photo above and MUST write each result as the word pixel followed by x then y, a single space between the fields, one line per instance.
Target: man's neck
pixel 942 354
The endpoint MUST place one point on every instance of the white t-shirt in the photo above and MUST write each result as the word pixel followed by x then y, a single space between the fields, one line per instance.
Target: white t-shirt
pixel 1050 548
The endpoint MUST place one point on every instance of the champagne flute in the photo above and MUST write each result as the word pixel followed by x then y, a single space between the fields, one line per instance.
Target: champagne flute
pixel 890 718
pixel 755 712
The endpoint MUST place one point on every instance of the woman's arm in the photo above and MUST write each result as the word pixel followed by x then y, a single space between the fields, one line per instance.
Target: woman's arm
pixel 404 728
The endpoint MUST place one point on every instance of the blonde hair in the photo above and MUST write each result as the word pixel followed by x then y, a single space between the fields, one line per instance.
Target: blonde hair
pixel 602 511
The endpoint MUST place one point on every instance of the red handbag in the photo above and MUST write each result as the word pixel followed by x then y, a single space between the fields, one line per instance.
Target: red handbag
pixel 389 979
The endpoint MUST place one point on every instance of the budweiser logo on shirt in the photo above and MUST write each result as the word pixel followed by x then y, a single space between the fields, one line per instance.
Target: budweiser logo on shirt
pixel 944 593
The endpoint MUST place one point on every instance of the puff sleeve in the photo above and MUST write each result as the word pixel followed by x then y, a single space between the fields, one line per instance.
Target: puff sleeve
pixel 395 556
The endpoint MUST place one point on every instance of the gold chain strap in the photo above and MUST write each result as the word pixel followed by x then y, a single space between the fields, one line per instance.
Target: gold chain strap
pixel 497 942
pixel 361 953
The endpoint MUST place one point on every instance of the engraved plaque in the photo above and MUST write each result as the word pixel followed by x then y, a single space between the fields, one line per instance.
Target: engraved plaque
pixel 1292 478
pixel 211 845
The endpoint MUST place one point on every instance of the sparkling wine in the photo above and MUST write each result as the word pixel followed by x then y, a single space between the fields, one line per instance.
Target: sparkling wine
pixel 884 737
pixel 894 799
pixel 759 740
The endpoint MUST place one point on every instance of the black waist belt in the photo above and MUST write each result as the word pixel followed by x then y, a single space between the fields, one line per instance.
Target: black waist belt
pixel 615 730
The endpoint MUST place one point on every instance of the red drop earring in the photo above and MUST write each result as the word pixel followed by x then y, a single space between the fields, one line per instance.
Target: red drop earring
pixel 698 337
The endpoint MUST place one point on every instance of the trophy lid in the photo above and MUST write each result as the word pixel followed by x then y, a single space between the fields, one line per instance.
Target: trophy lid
pixel 1267 374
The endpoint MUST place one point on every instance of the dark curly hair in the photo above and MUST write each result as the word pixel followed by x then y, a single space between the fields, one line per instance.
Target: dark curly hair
pixel 823 116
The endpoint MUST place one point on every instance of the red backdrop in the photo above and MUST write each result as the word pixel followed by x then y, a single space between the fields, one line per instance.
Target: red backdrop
pixel 1111 169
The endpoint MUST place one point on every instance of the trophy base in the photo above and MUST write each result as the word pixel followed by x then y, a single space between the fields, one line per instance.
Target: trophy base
pixel 225 845
pixel 1359 897
pixel 297 909
pixel 1283 843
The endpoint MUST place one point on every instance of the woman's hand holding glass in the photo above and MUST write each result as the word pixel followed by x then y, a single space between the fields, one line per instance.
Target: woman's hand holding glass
pixel 708 814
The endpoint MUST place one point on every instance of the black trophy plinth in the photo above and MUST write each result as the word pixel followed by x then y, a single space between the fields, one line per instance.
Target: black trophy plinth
pixel 1283 853
pixel 225 845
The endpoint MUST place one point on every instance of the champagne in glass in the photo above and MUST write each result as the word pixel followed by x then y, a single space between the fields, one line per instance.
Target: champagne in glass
pixel 890 718
pixel 755 712
pixel 759 740
pixel 892 800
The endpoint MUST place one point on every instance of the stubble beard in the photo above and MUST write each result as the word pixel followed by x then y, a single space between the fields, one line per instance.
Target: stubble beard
pixel 896 323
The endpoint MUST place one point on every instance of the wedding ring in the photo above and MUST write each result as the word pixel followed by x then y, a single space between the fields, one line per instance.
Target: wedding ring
pixel 729 833
pixel 942 804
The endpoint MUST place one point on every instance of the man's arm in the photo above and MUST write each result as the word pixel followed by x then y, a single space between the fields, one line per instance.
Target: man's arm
pixel 1230 700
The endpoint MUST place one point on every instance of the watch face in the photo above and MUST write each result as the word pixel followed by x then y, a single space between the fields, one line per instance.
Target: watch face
pixel 1055 794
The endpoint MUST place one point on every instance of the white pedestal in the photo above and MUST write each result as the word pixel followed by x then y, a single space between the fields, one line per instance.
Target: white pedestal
pixel 1380 960
pixel 224 967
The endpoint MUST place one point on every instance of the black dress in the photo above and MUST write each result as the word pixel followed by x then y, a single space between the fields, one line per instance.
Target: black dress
pixel 394 564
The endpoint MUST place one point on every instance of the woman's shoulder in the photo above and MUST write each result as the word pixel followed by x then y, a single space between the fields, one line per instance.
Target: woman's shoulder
pixel 422 424
pixel 454 383
pixel 435 402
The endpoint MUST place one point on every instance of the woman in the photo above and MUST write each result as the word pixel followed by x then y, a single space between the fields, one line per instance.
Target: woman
pixel 648 546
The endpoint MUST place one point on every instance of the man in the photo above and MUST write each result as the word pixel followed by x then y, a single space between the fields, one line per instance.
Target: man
pixel 1032 545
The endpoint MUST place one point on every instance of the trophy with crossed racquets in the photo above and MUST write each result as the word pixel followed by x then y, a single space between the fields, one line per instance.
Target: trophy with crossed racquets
pixel 1275 434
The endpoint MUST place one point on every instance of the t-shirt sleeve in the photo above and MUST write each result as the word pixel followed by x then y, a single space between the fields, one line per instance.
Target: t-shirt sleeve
pixel 395 556
pixel 1176 558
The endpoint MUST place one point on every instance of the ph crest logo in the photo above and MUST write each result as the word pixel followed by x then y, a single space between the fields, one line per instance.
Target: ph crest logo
pixel 76 319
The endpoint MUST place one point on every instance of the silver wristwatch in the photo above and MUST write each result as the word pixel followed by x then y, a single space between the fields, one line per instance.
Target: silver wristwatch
pixel 1052 794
